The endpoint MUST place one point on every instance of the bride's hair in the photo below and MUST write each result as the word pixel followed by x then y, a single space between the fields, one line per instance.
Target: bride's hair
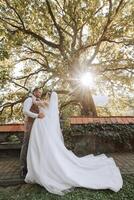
pixel 48 94
pixel 44 101
pixel 41 103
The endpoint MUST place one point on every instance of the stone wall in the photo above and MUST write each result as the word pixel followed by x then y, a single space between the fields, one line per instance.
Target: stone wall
pixel 99 138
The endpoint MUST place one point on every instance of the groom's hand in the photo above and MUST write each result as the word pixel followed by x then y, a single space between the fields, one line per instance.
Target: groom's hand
pixel 41 115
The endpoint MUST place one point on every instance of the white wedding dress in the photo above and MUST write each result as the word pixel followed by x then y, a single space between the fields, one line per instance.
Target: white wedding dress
pixel 51 165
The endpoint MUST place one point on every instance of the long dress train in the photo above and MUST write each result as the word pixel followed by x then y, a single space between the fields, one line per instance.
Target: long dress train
pixel 51 165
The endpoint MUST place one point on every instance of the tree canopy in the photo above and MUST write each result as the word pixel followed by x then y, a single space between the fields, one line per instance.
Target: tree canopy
pixel 52 42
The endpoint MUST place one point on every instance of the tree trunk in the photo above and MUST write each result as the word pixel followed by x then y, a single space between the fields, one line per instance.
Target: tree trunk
pixel 82 95
pixel 87 104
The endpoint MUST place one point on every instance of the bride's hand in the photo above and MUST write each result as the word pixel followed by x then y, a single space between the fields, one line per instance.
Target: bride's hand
pixel 46 102
pixel 41 115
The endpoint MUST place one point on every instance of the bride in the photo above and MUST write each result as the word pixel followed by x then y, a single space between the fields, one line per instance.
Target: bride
pixel 51 165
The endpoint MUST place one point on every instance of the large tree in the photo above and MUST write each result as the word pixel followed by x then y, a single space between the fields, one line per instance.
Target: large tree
pixel 55 41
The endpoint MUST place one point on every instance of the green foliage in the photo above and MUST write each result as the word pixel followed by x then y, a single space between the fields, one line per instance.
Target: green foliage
pixel 116 132
pixel 4 74
pixel 35 192
pixel 50 42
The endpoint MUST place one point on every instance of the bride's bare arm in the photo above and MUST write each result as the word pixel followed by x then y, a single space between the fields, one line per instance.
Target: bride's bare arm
pixel 41 103
pixel 46 102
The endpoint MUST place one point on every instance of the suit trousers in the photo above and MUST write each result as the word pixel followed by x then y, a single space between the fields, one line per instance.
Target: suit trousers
pixel 24 148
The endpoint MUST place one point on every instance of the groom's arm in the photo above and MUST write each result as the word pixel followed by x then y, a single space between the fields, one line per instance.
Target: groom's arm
pixel 26 108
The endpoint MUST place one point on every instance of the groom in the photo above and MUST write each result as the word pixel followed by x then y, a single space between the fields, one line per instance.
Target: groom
pixel 31 111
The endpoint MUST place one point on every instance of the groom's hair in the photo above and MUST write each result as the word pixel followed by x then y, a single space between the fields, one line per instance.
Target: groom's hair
pixel 35 89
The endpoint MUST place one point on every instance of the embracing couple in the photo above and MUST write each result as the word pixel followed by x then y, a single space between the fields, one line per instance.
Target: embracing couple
pixel 46 161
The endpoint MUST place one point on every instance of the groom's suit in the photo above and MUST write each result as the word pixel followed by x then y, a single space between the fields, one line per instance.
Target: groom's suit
pixel 31 112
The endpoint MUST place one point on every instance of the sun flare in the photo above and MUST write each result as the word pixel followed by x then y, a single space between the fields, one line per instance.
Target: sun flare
pixel 87 79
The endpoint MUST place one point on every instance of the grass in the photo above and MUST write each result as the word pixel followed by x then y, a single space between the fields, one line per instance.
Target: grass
pixel 36 192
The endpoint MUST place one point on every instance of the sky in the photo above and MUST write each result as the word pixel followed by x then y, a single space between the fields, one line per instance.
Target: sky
pixel 100 100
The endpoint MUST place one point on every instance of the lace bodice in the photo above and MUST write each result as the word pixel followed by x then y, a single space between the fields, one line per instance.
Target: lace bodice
pixel 43 109
pixel 41 105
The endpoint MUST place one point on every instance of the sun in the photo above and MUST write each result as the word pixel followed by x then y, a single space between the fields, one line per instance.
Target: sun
pixel 86 79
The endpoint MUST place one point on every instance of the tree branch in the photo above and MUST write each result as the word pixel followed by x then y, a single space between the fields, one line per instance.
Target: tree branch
pixel 55 23
pixel 69 102
pixel 39 53
pixel 10 104
pixel 118 8
pixel 19 85
pixel 31 33
pixel 32 59
pixel 102 35
pixel 11 7
pixel 31 74
pixel 116 69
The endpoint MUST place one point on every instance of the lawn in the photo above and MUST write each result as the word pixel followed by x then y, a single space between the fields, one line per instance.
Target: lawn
pixel 35 192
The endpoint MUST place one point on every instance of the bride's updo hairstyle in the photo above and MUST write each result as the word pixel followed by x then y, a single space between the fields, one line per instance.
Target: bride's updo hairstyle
pixel 48 94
